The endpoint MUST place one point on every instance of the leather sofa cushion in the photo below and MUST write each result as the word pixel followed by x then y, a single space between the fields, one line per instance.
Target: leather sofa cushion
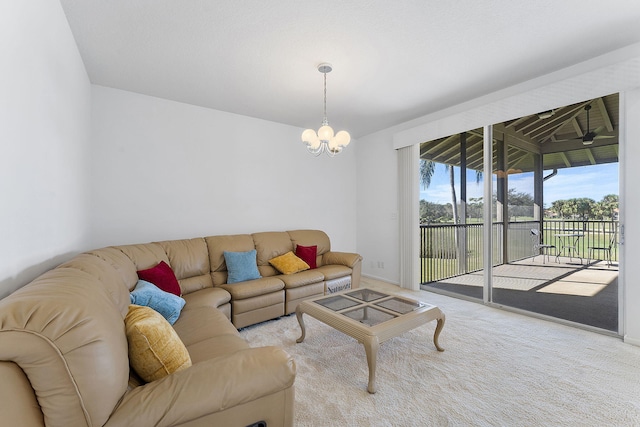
pixel 111 279
pixel 198 395
pixel 195 283
pixel 220 346
pixel 334 271
pixel 122 264
pixel 145 255
pixel 202 323
pixel 155 349
pixel 271 244
pixel 342 258
pixel 232 243
pixel 207 333
pixel 188 257
pixel 302 278
pixel 254 288
pixel 310 238
pixel 208 297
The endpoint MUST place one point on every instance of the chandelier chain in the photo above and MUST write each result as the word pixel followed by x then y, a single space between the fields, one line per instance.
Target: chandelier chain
pixel 325 96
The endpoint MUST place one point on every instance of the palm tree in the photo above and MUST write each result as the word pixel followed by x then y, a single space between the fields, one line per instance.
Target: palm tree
pixel 427 169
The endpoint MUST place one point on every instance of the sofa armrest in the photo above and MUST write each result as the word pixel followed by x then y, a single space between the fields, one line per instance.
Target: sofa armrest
pixel 207 387
pixel 342 258
pixel 18 403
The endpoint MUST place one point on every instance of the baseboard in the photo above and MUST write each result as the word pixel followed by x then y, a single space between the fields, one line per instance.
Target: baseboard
pixel 633 341
pixel 379 279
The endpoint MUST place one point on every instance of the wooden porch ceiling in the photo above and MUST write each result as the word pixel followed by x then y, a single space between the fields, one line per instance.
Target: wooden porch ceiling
pixel 558 136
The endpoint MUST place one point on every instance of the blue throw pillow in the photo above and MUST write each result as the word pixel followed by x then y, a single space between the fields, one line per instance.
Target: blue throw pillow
pixel 241 266
pixel 165 303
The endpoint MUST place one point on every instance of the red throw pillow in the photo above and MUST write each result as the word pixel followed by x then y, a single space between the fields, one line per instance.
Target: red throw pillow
pixel 163 277
pixel 308 254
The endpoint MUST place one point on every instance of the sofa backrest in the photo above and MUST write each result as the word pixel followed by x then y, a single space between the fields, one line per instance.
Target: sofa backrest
pixel 66 333
pixel 270 245
pixel 144 255
pixel 217 245
pixel 189 260
pixel 311 238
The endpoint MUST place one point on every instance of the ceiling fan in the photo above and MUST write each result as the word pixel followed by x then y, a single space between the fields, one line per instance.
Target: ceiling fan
pixel 590 136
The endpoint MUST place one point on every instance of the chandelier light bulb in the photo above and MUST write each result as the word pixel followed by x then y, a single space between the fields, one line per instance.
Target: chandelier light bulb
pixel 343 138
pixel 325 133
pixel 307 135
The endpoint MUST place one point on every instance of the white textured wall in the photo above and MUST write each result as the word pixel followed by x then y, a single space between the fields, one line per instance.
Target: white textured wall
pixel 44 127
pixel 166 170
pixel 378 223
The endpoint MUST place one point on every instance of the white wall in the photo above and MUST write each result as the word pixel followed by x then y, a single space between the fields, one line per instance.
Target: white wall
pixel 44 127
pixel 378 224
pixel 166 170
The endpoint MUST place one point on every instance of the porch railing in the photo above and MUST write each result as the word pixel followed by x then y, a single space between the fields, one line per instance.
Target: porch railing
pixel 448 250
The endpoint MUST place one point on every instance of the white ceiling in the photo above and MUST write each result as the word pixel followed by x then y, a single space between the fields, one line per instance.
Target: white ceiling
pixel 393 60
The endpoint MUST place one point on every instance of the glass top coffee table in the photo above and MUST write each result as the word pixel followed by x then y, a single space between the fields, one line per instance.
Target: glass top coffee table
pixel 371 317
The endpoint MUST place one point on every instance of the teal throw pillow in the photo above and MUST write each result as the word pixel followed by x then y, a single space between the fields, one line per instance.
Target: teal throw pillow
pixel 165 303
pixel 241 266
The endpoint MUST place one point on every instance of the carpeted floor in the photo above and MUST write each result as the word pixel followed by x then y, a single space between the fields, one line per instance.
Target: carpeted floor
pixel 498 369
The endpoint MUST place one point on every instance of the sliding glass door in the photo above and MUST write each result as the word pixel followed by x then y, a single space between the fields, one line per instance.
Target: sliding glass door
pixel 552 221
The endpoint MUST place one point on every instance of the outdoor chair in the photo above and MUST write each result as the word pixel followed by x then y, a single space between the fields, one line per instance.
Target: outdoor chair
pixel 538 246
pixel 605 249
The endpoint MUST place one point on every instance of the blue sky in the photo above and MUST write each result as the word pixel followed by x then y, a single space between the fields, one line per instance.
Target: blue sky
pixel 593 182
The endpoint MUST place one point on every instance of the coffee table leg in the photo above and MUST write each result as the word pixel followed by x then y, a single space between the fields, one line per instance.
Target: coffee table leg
pixel 371 346
pixel 301 322
pixel 436 334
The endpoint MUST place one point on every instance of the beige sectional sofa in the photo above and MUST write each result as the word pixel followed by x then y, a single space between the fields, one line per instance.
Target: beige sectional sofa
pixel 64 354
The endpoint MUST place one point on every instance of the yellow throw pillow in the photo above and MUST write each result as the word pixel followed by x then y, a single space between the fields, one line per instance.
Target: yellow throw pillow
pixel 288 263
pixel 155 349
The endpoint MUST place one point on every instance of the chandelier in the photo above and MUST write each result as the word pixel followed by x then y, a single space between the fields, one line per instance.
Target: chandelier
pixel 325 140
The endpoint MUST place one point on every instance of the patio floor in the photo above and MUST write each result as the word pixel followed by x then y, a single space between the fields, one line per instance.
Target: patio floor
pixel 581 293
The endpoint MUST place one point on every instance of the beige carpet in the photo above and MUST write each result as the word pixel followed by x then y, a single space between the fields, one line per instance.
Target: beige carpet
pixel 498 369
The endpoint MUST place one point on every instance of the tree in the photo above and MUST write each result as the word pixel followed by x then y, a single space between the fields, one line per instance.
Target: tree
pixel 520 203
pixel 434 212
pixel 585 208
pixel 474 209
pixel 427 169
pixel 607 207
